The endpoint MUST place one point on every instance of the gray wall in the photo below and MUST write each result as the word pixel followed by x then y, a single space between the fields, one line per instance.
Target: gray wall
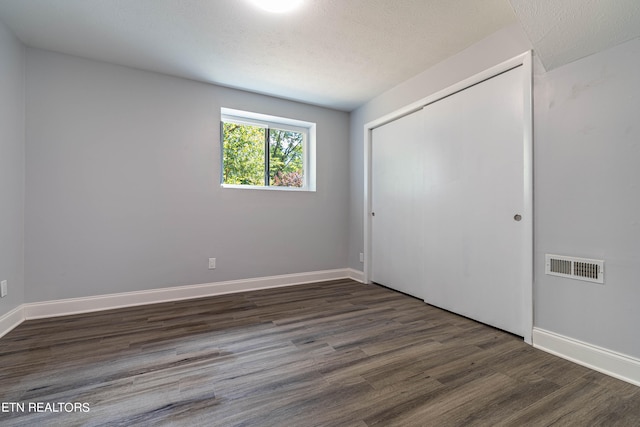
pixel 12 168
pixel 587 195
pixel 586 183
pixel 123 193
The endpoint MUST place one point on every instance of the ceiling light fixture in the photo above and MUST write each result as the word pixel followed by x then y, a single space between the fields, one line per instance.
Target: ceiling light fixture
pixel 277 6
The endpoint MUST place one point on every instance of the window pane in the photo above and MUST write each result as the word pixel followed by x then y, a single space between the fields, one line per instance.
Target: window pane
pixel 285 158
pixel 243 154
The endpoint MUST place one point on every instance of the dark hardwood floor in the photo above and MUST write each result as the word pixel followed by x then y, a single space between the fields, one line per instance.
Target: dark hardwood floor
pixel 328 354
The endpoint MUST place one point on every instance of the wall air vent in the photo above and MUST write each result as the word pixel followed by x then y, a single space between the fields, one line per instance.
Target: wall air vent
pixel 590 270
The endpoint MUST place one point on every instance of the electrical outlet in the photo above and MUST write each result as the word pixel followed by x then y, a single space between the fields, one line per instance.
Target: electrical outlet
pixel 361 257
pixel 3 289
pixel 212 263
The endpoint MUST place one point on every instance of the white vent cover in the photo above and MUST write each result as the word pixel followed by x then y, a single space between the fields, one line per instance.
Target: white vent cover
pixel 590 270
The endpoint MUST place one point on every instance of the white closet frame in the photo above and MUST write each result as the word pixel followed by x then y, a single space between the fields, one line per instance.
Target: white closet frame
pixel 524 60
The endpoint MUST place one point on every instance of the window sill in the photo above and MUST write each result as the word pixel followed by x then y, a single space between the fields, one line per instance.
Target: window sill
pixel 273 188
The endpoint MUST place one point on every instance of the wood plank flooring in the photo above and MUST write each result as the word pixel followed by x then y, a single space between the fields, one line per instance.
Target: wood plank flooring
pixel 327 354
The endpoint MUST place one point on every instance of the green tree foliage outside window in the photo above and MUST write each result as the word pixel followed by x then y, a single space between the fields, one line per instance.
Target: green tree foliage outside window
pixel 246 148
pixel 243 154
pixel 285 158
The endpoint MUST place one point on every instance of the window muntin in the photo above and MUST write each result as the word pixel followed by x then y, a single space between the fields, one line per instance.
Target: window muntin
pixel 260 151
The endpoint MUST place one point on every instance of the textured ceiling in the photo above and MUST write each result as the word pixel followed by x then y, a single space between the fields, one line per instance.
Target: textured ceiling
pixel 566 30
pixel 336 53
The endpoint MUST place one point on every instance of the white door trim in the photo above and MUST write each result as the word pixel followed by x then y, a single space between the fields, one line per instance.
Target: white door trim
pixel 525 61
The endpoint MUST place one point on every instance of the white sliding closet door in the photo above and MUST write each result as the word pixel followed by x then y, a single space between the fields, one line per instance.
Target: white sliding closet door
pixel 474 161
pixel 397 188
pixel 446 203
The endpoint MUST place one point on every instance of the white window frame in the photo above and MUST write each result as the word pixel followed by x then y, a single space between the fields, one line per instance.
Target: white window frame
pixel 307 129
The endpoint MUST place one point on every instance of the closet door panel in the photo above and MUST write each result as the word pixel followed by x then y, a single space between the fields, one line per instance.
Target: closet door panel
pixel 473 158
pixel 397 190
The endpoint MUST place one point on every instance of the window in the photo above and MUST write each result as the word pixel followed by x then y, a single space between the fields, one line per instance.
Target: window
pixel 260 151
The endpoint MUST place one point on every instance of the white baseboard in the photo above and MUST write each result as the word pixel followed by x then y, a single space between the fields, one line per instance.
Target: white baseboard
pixel 66 307
pixel 599 359
pixel 356 275
pixel 11 320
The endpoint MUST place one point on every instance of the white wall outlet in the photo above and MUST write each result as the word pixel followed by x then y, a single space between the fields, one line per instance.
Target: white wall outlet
pixel 361 257
pixel 212 263
pixel 3 289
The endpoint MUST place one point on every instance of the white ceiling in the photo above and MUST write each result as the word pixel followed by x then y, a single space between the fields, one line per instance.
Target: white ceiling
pixel 562 31
pixel 335 53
